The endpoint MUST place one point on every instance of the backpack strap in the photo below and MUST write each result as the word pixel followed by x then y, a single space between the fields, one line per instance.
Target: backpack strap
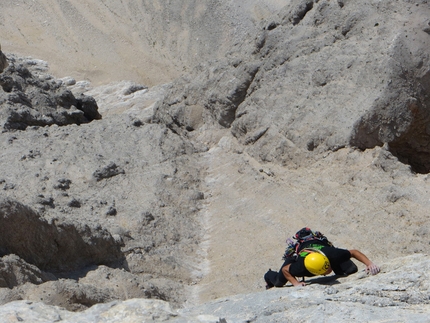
pixel 306 234
pixel 303 235
pixel 307 251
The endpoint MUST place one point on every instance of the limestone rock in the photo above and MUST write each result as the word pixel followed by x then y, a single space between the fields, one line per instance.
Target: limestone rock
pixel 133 218
pixel 165 40
pixel 29 97
pixel 61 245
pixel 67 293
pixel 124 97
pixel 108 171
pixel 323 75
pixel 399 293
pixel 14 271
pixel 220 91
pixel 194 184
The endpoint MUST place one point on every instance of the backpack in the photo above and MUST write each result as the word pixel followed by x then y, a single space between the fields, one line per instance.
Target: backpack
pixel 303 235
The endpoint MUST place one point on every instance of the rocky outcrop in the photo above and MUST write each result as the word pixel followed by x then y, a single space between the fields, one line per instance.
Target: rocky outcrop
pixel 319 76
pixel 14 271
pixel 400 293
pixel 52 220
pixel 399 116
pixel 217 93
pixel 30 97
pixel 394 294
pixel 59 245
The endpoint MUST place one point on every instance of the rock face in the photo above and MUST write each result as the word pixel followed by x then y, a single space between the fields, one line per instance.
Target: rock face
pixel 59 245
pixel 391 296
pixel 159 42
pixel 319 76
pixel 15 272
pixel 184 192
pixel 309 60
pixel 101 201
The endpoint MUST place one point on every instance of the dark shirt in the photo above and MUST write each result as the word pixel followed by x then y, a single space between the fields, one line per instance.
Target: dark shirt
pixel 336 256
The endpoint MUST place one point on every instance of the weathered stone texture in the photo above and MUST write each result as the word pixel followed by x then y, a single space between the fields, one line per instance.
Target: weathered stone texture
pixel 183 192
pixel 394 295
pixel 320 76
pixel 29 97
pixel 56 245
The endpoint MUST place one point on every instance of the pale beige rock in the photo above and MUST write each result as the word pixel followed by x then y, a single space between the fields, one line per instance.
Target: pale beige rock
pixel 200 210
pixel 398 294
pixel 158 42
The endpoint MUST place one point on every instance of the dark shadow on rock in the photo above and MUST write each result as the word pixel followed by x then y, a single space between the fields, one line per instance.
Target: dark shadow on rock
pixel 14 271
pixel 326 280
pixel 54 246
pixel 108 171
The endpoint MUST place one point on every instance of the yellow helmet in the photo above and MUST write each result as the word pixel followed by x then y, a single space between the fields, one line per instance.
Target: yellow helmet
pixel 317 263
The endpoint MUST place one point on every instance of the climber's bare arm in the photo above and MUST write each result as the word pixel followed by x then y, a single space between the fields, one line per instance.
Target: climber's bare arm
pixel 291 278
pixel 371 268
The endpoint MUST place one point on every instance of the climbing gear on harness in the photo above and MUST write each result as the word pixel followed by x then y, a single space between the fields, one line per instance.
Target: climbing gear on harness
pixel 303 235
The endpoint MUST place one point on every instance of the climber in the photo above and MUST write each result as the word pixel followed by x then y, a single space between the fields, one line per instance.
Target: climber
pixel 314 255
